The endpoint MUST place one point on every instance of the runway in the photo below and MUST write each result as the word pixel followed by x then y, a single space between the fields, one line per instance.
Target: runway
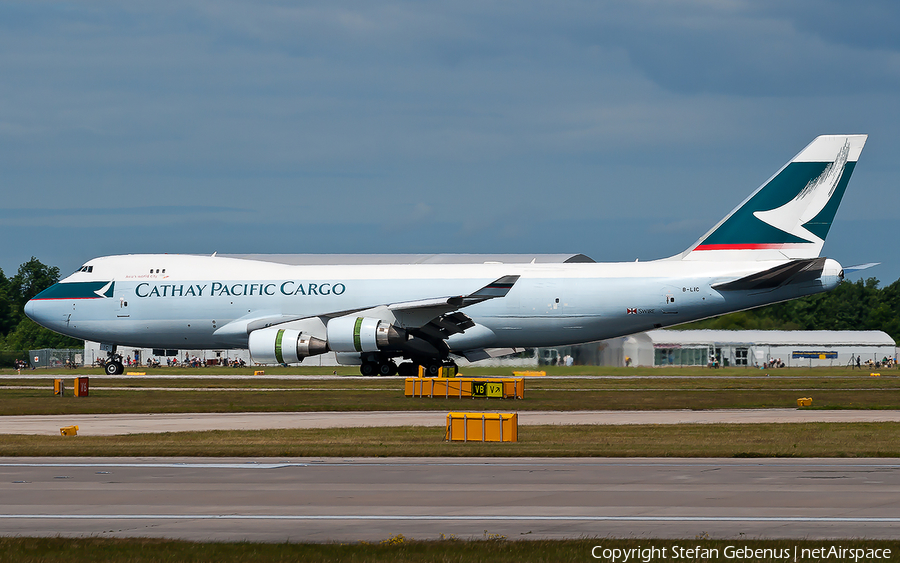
pixel 349 500
pixel 113 424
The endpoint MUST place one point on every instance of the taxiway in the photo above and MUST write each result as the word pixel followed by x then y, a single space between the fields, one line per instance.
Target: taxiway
pixel 523 498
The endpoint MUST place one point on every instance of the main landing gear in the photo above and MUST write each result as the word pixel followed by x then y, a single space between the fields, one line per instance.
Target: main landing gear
pixel 383 368
pixel 406 369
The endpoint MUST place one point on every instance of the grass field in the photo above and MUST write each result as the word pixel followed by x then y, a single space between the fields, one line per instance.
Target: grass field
pixel 685 440
pixel 571 389
pixel 576 388
pixel 397 549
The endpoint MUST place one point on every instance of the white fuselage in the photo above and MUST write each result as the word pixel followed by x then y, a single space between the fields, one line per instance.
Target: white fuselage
pixel 198 302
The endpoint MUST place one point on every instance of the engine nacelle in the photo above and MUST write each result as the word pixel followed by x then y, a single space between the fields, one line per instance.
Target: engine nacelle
pixel 363 334
pixel 284 346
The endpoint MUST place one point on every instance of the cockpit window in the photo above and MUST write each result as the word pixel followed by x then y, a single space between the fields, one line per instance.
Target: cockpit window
pixel 86 269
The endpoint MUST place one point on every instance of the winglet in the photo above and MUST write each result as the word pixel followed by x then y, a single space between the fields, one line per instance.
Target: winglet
pixel 497 288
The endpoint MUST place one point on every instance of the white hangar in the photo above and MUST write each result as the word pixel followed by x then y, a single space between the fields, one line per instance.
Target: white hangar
pixel 795 348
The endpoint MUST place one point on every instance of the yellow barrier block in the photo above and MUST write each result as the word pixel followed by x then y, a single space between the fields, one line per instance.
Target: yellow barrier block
pixel 259 372
pixel 460 387
pixel 804 402
pixel 482 427
pixel 59 387
pixel 135 373
pixel 514 388
pixel 437 387
pixel 68 431
pixel 874 375
pixel 529 373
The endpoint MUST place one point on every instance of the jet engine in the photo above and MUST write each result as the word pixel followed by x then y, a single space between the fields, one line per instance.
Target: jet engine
pixel 284 345
pixel 363 334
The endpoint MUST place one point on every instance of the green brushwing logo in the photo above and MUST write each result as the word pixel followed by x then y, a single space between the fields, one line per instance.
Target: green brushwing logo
pixel 797 206
pixel 78 290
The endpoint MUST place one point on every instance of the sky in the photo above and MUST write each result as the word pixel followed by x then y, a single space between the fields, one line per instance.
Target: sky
pixel 620 130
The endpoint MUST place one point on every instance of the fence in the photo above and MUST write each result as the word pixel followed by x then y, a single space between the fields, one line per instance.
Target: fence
pixel 56 358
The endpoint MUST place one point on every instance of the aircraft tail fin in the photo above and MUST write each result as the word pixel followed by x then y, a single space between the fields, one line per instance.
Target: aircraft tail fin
pixel 789 216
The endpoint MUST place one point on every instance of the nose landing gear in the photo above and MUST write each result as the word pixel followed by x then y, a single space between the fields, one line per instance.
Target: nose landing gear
pixel 113 365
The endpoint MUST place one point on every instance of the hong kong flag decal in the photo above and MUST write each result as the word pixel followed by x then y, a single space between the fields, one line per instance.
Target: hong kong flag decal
pixel 631 311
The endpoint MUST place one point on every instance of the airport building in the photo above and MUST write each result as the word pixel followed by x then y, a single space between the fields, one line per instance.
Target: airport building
pixel 655 348
pixel 793 348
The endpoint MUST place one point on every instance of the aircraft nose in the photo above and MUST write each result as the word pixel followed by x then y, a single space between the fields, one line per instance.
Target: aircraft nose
pixel 39 310
pixel 30 310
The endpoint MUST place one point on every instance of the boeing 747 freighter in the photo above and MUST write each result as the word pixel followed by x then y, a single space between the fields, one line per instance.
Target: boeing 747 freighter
pixel 395 313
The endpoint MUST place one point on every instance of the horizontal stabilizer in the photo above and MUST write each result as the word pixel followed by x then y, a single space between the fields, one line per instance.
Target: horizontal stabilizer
pixel 860 267
pixel 796 271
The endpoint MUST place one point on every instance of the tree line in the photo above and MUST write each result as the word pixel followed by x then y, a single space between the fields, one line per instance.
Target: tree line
pixel 859 305
pixel 18 332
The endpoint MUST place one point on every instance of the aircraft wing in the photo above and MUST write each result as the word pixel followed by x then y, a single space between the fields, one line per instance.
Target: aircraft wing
pixel 435 318
pixel 411 314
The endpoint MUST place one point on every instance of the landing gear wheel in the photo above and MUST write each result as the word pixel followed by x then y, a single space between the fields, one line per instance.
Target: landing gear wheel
pixel 386 369
pixel 114 368
pixel 408 369
pixel 432 370
pixel 368 369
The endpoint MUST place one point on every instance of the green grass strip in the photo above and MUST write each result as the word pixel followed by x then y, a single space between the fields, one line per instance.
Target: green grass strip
pixel 685 440
pixel 398 549
pixel 42 401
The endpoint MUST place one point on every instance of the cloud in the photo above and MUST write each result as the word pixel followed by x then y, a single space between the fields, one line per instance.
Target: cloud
pixel 285 118
pixel 114 216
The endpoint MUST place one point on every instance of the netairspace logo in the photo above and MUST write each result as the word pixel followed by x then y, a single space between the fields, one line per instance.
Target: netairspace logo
pixel 737 553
